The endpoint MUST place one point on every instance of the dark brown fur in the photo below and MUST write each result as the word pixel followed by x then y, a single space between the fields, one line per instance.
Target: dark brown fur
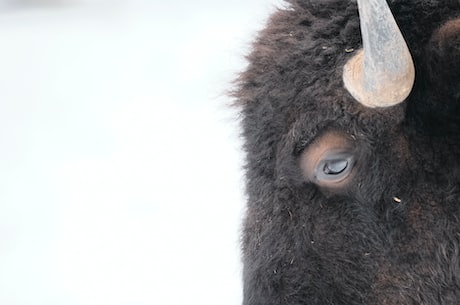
pixel 392 235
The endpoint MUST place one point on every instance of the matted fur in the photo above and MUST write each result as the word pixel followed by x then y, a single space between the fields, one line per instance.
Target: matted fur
pixel 392 236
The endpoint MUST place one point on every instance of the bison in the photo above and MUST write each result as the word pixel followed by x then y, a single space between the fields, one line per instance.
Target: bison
pixel 350 115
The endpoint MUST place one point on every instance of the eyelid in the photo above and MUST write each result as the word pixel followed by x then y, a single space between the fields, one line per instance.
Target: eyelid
pixel 319 174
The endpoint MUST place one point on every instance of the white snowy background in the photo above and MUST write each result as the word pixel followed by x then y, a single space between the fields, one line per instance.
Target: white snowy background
pixel 120 163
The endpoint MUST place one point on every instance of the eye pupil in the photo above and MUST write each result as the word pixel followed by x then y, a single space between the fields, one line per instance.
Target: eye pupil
pixel 335 167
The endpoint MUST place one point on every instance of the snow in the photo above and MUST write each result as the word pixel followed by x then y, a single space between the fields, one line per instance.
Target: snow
pixel 120 162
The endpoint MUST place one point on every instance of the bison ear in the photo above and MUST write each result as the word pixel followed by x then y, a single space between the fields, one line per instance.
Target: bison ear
pixel 440 85
pixel 382 74
pixel 443 57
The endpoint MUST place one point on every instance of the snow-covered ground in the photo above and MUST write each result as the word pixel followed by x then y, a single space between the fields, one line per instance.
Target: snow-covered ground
pixel 120 178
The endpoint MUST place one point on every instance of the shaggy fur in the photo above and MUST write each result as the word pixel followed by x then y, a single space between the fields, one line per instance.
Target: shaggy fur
pixel 392 235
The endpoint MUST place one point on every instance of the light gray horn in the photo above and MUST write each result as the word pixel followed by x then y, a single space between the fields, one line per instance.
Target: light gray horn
pixel 382 73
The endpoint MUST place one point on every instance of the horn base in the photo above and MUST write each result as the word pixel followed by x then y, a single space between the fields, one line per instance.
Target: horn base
pixel 390 90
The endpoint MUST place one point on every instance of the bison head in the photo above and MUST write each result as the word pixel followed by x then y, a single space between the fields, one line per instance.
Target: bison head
pixel 353 154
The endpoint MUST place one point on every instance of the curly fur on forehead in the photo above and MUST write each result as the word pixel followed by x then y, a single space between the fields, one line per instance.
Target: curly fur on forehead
pixel 390 232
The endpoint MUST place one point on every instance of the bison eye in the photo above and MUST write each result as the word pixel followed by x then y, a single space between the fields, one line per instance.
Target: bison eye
pixel 329 160
pixel 334 167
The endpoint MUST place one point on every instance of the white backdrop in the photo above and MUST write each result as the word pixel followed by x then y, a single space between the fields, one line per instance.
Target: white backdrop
pixel 120 178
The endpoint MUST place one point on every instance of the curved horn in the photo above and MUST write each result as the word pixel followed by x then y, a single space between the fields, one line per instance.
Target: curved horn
pixel 383 73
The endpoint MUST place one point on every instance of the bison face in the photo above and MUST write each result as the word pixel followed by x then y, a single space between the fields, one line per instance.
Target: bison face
pixel 351 202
